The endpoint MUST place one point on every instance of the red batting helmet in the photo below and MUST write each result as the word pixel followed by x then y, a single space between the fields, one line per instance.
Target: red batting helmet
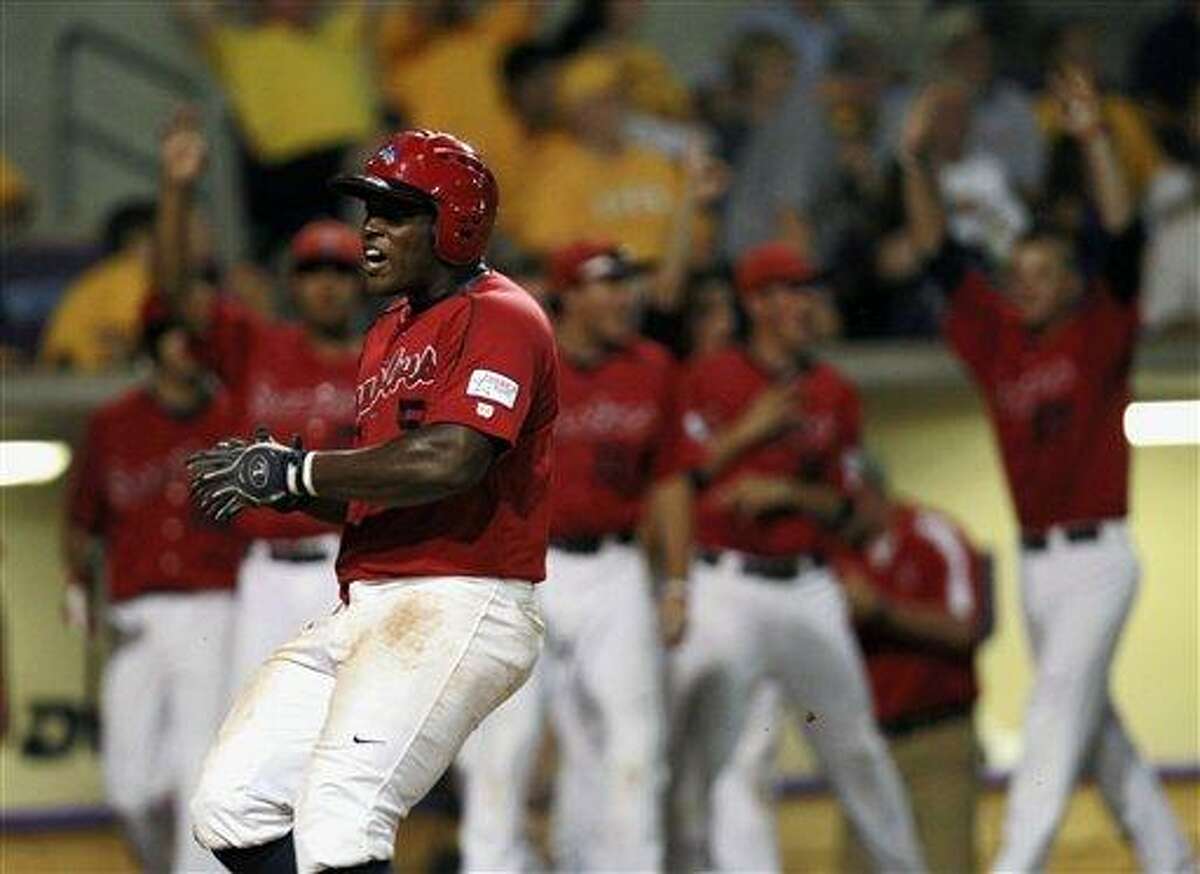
pixel 440 169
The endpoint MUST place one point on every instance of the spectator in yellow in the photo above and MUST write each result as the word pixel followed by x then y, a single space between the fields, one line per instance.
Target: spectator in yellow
pixel 610 26
pixel 97 323
pixel 1073 44
pixel 590 181
pixel 15 197
pixel 299 85
pixel 442 68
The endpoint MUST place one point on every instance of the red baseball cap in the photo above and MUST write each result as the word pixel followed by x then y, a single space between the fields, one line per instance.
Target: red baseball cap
pixel 587 261
pixel 769 263
pixel 327 241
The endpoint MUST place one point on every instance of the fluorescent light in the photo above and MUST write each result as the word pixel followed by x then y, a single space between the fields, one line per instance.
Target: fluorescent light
pixel 1163 423
pixel 27 462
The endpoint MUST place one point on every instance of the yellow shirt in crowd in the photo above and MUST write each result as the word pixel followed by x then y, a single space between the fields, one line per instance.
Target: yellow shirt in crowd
pixel 296 91
pixel 631 198
pixel 1132 138
pixel 98 321
pixel 453 81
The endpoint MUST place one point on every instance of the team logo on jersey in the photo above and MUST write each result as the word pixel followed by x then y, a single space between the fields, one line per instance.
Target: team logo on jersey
pixel 493 386
pixel 400 370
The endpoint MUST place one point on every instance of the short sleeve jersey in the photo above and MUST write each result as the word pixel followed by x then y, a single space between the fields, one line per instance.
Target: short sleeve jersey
pixel 1055 399
pixel 611 440
pixel 130 488
pixel 278 379
pixel 716 391
pixel 483 358
pixel 923 559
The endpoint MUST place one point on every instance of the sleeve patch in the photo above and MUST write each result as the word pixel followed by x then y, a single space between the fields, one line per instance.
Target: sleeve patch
pixel 493 386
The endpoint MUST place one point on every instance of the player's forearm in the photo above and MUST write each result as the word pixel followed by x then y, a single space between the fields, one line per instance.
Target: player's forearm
pixel 171 255
pixel 671 518
pixel 427 465
pixel 922 205
pixel 925 626
pixel 1109 187
pixel 828 504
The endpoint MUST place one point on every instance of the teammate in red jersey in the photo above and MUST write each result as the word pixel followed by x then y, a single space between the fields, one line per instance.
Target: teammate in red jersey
pixel 599 678
pixel 445 504
pixel 294 378
pixel 767 431
pixel 916 589
pixel 1052 358
pixel 170 575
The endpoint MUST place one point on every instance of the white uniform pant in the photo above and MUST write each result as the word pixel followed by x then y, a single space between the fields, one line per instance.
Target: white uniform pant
pixel 163 694
pixel 275 599
pixel 1076 598
pixel 600 681
pixel 348 726
pixel 744 631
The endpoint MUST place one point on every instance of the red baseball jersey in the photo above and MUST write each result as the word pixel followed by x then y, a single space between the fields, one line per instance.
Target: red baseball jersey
pixel 717 389
pixel 922 559
pixel 279 379
pixel 1055 399
pixel 483 358
pixel 611 438
pixel 130 487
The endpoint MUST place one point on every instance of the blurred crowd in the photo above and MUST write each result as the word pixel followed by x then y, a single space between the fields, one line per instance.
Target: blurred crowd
pixel 790 135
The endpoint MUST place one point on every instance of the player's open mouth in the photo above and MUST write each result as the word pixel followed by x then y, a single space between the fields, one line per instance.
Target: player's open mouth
pixel 373 259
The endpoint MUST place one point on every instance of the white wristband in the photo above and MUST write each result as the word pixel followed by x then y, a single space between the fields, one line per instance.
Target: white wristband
pixel 306 473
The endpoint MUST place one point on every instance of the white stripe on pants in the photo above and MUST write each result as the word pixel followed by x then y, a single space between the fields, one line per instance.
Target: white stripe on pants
pixel 353 722
pixel 163 694
pixel 744 630
pixel 1076 598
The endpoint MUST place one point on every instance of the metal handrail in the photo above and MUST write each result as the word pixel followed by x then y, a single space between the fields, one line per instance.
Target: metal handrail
pixel 72 131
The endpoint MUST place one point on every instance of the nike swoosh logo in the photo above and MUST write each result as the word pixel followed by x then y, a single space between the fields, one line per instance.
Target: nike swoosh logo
pixel 365 740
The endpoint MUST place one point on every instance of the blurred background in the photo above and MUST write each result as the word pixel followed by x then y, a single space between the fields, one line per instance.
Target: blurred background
pixel 689 130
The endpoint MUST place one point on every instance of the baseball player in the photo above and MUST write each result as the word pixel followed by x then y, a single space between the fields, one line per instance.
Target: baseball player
pixel 170 575
pixel 292 378
pixel 767 430
pixel 600 675
pixel 916 590
pixel 444 501
pixel 1052 358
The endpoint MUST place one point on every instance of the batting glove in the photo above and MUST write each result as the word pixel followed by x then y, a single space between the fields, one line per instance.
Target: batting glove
pixel 236 474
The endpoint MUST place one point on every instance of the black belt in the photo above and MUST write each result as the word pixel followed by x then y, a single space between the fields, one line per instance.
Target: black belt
pixel 297 553
pixel 590 544
pixel 776 568
pixel 1037 541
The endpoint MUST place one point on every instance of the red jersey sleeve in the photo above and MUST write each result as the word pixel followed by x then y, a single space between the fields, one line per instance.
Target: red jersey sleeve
pixel 86 507
pixel 233 331
pixel 501 363
pixel 691 430
pixel 973 316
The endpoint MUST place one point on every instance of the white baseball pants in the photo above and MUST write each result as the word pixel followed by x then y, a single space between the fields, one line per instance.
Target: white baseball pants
pixel 348 726
pixel 1076 598
pixel 600 680
pixel 745 630
pixel 276 599
pixel 162 697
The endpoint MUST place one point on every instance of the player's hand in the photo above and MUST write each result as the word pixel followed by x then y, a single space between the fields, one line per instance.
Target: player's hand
pixel 1078 102
pixel 76 608
pixel 866 604
pixel 184 150
pixel 755 495
pixel 673 612
pixel 235 474
pixel 775 410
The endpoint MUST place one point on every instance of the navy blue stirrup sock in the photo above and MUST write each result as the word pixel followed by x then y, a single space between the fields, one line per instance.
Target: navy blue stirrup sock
pixel 277 857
